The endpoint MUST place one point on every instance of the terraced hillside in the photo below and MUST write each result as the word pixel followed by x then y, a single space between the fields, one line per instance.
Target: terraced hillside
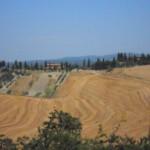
pixel 120 97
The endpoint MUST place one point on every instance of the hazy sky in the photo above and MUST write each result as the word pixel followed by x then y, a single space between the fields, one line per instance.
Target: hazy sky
pixel 42 29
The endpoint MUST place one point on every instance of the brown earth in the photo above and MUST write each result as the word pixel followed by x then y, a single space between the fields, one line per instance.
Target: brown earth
pixel 23 84
pixel 118 97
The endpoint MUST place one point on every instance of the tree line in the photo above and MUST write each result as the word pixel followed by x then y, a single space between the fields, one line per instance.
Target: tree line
pixel 63 132
pixel 121 60
pixel 24 65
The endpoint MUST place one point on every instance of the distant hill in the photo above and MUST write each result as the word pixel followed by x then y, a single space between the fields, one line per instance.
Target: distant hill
pixel 81 58
pixel 76 60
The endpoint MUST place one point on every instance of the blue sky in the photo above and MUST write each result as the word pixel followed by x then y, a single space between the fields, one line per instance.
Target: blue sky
pixel 43 29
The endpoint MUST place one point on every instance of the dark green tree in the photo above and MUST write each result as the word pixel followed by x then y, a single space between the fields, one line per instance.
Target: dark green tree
pixel 20 65
pixel 16 65
pixel 62 65
pixel 2 64
pixel 8 66
pixel 7 143
pixel 113 63
pixel 25 65
pixel 60 132
pixel 36 66
pixel 89 63
pixel 84 64
pixel 45 64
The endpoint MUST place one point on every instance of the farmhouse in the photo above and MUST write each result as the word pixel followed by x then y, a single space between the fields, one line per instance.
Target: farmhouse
pixel 54 66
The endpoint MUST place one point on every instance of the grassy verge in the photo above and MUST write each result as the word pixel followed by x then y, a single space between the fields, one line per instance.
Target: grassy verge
pixel 50 90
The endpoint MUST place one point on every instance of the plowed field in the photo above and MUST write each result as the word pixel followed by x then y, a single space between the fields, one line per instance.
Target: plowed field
pixel 120 97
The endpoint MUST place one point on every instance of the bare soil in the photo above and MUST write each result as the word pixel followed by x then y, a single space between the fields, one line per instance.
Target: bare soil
pixel 118 97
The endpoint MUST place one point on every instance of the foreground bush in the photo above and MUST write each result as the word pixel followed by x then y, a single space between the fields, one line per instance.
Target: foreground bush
pixel 63 132
pixel 6 143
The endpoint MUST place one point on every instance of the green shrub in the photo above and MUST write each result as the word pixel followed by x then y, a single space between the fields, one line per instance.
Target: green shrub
pixel 1 85
pixel 50 75
pixel 38 94
pixel 7 143
pixel 9 91
pixel 24 93
pixel 50 90
pixel 61 132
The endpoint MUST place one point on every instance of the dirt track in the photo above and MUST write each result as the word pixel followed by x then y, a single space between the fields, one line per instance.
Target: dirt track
pixel 40 85
pixel 120 97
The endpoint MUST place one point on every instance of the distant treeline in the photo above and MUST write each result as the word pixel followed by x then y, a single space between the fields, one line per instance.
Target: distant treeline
pixel 121 60
pixel 24 65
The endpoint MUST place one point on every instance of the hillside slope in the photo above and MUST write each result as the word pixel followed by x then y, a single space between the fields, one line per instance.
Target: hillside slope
pixel 109 99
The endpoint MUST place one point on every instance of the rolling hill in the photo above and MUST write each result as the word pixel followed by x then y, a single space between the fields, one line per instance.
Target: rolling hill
pixel 120 97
